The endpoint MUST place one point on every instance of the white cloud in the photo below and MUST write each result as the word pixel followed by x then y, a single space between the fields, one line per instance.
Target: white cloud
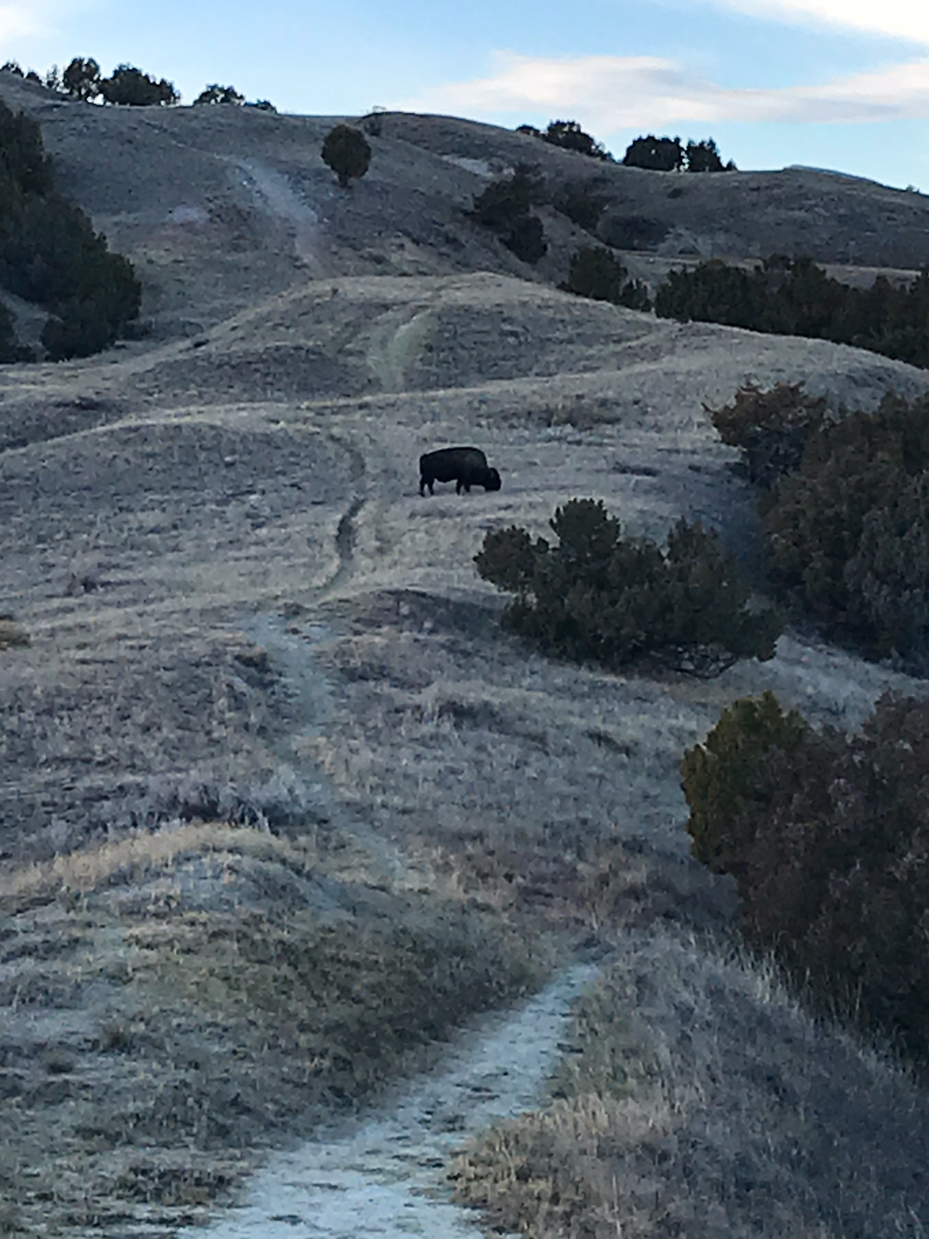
pixel 35 19
pixel 616 92
pixel 17 20
pixel 903 19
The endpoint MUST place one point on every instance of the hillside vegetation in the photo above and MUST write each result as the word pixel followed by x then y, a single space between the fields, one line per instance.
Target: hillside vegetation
pixel 50 254
pixel 284 803
pixel 796 297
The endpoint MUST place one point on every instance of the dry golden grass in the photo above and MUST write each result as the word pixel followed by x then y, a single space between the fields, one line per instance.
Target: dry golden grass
pixel 143 853
pixel 700 1100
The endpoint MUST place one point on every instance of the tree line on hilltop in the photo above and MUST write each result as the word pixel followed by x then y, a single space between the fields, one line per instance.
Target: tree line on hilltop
pixel 658 154
pixel 127 86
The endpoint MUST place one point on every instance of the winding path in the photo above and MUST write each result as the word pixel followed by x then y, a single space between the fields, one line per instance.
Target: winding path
pixel 384 1176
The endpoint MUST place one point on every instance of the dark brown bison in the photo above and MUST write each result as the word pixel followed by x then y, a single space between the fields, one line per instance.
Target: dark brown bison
pixel 466 466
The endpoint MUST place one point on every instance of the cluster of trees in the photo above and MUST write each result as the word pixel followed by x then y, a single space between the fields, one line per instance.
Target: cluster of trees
pixel 127 85
pixel 596 272
pixel 600 597
pixel 228 94
pixel 569 135
pixel 50 254
pixel 844 504
pixel 827 838
pixel 505 207
pixel 82 79
pixel 668 155
pixel 658 154
pixel 52 78
pixel 793 296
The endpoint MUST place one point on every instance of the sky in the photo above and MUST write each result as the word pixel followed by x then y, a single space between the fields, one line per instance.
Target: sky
pixel 840 84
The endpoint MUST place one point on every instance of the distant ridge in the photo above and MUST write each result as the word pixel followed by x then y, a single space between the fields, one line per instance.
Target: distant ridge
pixel 848 176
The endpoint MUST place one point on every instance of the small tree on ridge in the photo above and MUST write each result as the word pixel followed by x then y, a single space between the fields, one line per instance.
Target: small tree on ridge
pixel 347 153
pixel 658 154
pixel 220 94
pixel 81 79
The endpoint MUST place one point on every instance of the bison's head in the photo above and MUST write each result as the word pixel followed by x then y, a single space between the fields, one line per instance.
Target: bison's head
pixel 491 480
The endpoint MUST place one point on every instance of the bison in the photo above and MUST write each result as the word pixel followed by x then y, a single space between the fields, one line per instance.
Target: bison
pixel 466 466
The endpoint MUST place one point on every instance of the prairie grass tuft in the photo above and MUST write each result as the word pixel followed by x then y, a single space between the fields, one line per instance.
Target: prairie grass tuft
pixel 12 634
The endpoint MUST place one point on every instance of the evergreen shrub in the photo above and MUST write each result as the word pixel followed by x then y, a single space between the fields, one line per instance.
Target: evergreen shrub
pixel 827 839
pixel 792 296
pixel 848 534
pixel 599 597
pixel 50 254
pixel 658 154
pixel 219 94
pixel 24 166
pixel 504 207
pixel 582 203
pixel 508 199
pixel 634 232
pixel 131 87
pixel 770 427
pixel 668 155
pixel 10 348
pixel 704 157
pixel 526 239
pixel 571 137
pixel 597 273
pixel 81 79
pixel 347 153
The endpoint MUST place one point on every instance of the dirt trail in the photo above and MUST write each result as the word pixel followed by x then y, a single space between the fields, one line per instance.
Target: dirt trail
pixel 384 1176
pixel 286 204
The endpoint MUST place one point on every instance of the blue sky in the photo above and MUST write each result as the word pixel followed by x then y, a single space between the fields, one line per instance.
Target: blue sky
pixel 841 84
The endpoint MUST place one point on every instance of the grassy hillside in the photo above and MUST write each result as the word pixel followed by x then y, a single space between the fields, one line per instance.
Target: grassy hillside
pixel 281 801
